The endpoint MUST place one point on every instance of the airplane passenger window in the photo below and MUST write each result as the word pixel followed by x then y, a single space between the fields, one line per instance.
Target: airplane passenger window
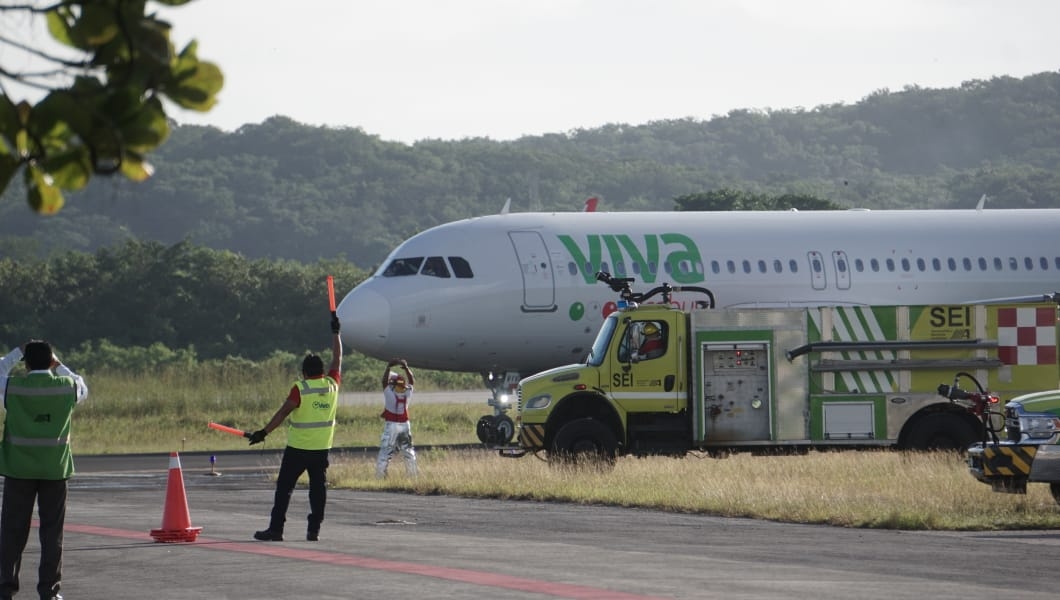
pixel 715 267
pixel 816 265
pixel 951 263
pixel 1013 263
pixel 998 265
pixel 841 265
pixel 921 265
pixel 875 265
pixel 793 266
pixel 761 266
pixel 905 265
pixel 1044 262
pixel 890 265
pixel 605 268
pixel 967 262
pixel 859 265
pixel 778 266
pixel 1028 263
pixel 400 267
pixel 730 266
pixel 936 264
pixel 668 268
pixel 620 268
pixel 462 269
pixel 572 268
pixel 435 267
pixel 652 267
pixel 982 263
pixel 1056 261
pixel 636 268
pixel 746 266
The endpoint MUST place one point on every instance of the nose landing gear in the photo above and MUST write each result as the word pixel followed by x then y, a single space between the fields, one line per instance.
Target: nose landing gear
pixel 498 429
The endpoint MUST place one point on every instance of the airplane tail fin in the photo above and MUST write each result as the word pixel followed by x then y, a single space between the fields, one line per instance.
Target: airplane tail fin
pixel 590 204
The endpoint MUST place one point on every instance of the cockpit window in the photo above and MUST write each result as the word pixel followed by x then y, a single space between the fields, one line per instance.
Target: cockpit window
pixel 435 267
pixel 400 267
pixel 461 268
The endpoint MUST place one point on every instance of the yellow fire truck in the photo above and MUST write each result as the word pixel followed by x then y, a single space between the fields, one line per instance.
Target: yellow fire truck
pixel 761 378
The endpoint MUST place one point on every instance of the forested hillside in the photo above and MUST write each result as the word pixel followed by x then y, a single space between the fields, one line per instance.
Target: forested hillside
pixel 280 189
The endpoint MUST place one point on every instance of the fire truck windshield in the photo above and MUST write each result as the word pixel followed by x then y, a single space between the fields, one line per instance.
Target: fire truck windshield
pixel 603 339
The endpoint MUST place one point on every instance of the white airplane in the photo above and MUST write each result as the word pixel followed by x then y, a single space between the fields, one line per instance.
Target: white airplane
pixel 512 294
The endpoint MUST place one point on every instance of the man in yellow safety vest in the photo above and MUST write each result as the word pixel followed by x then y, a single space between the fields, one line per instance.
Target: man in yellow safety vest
pixel 311 405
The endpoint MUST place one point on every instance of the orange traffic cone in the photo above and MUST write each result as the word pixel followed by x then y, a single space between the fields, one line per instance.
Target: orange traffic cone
pixel 176 522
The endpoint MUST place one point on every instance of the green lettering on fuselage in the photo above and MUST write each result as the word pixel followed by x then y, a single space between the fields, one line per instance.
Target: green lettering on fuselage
pixel 677 250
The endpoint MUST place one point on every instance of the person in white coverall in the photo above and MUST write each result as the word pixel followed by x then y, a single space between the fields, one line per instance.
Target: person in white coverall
pixel 397 432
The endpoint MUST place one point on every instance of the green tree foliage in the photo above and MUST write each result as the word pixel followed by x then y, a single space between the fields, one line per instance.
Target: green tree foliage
pixel 109 115
pixel 283 190
pixel 213 303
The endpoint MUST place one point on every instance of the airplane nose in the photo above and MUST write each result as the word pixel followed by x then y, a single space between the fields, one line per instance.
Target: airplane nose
pixel 365 318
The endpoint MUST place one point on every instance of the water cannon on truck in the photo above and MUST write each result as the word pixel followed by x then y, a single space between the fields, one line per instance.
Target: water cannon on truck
pixel 662 380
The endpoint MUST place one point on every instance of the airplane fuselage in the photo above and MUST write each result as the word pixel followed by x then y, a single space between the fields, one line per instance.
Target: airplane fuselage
pixel 517 292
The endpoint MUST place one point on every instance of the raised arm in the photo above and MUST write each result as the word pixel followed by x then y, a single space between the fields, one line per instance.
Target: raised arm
pixel 336 344
pixel 408 372
pixel 336 353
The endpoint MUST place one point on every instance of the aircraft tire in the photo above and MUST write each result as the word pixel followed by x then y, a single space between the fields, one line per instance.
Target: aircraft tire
pixel 504 429
pixel 486 430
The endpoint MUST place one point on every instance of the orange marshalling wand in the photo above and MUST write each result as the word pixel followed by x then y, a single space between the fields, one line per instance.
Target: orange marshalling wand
pixel 227 429
pixel 331 293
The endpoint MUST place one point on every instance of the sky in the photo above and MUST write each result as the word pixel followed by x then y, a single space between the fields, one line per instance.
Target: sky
pixel 408 70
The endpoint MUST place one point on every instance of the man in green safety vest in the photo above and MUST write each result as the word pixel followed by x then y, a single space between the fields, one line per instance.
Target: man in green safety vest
pixel 36 461
pixel 311 405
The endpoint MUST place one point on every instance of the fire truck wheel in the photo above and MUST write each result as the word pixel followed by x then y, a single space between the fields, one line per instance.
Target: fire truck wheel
pixel 504 429
pixel 941 431
pixel 1054 489
pixel 486 430
pixel 584 440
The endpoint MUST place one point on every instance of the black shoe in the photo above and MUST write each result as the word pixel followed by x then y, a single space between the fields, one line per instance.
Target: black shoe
pixel 268 535
pixel 312 535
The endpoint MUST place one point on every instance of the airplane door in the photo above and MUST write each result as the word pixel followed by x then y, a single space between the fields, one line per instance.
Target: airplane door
pixel 539 290
pixel 817 275
pixel 842 269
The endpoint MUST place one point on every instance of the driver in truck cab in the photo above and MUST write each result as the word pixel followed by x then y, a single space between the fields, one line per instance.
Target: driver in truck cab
pixel 653 345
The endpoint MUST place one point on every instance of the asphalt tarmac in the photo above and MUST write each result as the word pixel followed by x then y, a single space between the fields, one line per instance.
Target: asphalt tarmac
pixel 384 546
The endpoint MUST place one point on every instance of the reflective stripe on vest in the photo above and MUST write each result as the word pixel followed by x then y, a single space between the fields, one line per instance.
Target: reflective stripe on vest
pixel 21 390
pixel 312 425
pixel 39 442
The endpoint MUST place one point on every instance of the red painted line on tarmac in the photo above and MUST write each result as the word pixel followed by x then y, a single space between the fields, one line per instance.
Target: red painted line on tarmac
pixel 537 586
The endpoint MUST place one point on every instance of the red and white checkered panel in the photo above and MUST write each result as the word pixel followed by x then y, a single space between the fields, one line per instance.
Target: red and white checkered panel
pixel 1026 336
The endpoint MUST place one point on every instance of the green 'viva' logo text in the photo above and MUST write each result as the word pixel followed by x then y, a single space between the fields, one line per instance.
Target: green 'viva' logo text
pixel 677 250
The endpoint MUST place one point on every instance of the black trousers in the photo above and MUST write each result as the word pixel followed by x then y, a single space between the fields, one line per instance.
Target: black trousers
pixel 295 462
pixel 15 520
